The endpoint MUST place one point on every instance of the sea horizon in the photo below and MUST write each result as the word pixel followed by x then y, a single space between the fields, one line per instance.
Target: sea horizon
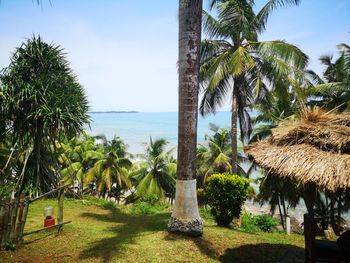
pixel 136 128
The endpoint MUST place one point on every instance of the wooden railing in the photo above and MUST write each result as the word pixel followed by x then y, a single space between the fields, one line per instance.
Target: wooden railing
pixel 13 215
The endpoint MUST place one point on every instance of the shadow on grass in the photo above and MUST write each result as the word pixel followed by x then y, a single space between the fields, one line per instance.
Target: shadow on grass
pixel 264 252
pixel 127 228
pixel 205 246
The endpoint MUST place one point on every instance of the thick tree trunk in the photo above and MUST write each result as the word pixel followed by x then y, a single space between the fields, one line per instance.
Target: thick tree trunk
pixel 234 117
pixel 185 217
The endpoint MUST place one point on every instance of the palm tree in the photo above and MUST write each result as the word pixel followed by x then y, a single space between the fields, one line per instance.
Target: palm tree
pixel 235 65
pixel 274 108
pixel 111 167
pixel 154 176
pixel 77 156
pixel 185 217
pixel 333 91
pixel 43 102
pixel 214 155
pixel 276 191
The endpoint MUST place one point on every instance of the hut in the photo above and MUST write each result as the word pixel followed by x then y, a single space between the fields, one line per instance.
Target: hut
pixel 312 150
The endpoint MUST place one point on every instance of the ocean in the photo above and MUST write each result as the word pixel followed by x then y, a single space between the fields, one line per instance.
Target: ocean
pixel 135 129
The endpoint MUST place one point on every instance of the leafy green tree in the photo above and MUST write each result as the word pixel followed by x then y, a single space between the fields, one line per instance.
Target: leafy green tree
pixel 333 90
pixel 235 65
pixel 155 174
pixel 43 102
pixel 225 194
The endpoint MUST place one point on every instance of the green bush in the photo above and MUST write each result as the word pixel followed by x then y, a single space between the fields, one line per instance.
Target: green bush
pixel 248 223
pixel 252 223
pixel 225 194
pixel 265 222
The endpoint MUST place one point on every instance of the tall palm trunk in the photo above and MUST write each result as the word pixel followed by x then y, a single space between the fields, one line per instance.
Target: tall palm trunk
pixel 234 116
pixel 185 217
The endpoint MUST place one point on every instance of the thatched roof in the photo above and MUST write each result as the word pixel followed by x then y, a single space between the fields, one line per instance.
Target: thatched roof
pixel 312 149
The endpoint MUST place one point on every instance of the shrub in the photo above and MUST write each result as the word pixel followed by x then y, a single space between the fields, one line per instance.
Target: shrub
pixel 252 223
pixel 225 194
pixel 265 222
pixel 248 223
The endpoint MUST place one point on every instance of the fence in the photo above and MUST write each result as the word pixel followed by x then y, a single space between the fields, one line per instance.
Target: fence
pixel 13 215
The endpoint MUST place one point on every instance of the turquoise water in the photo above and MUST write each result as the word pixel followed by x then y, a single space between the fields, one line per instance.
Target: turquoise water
pixel 136 128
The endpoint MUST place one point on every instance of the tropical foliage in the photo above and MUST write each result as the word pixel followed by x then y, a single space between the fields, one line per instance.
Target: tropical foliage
pixel 154 175
pixel 41 102
pixel 111 167
pixel 235 65
pixel 225 194
pixel 333 90
pixel 213 155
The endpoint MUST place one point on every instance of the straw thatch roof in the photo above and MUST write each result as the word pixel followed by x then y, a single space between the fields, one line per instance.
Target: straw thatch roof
pixel 312 149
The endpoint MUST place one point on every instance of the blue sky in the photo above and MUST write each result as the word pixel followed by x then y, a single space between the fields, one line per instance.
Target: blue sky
pixel 125 52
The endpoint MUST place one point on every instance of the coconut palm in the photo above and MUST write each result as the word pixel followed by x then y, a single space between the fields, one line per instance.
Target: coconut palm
pixel 235 65
pixel 77 156
pixel 111 167
pixel 185 217
pixel 277 192
pixel 333 91
pixel 271 110
pixel 43 102
pixel 213 156
pixel 154 176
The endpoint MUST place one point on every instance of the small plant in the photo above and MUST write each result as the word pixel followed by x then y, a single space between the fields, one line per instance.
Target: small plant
pixel 257 223
pixel 265 223
pixel 225 194
pixel 248 223
pixel 9 246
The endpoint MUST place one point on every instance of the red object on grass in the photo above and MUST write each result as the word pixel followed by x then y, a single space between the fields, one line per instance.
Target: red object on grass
pixel 49 221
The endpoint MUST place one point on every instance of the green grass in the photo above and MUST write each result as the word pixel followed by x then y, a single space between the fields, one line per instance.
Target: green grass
pixel 104 232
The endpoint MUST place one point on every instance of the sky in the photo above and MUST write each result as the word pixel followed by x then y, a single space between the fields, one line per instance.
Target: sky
pixel 125 52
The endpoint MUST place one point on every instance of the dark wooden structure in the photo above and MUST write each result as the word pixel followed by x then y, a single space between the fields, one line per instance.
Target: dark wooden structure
pixel 321 250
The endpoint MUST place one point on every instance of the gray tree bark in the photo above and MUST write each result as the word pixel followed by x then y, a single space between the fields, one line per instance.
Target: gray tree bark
pixel 185 217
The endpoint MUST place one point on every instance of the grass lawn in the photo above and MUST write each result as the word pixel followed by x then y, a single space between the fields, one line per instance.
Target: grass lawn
pixel 102 232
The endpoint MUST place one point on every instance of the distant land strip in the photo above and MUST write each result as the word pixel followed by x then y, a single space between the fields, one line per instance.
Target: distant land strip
pixel 113 111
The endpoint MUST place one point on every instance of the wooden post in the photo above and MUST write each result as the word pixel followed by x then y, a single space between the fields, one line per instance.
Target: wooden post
pixel 4 218
pixel 13 234
pixel 60 206
pixel 23 219
pixel 8 220
pixel 19 220
pixel 2 222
